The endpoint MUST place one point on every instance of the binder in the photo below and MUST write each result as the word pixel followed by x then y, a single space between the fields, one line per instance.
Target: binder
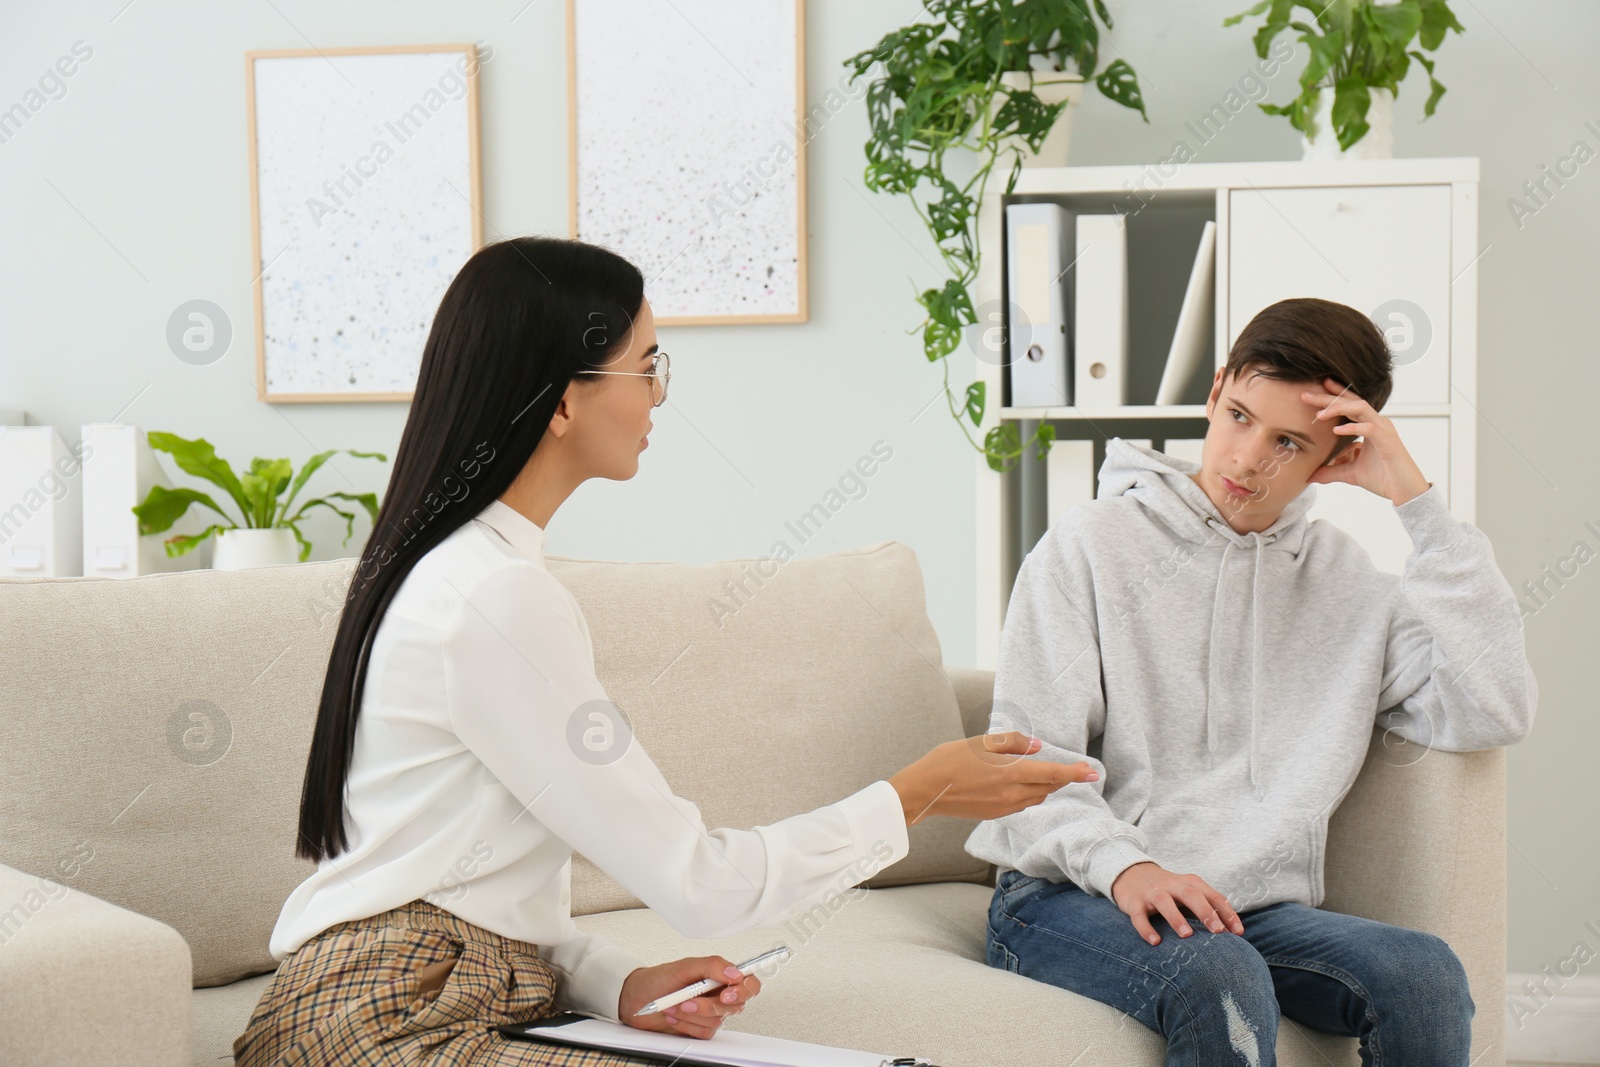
pixel 119 468
pixel 1069 477
pixel 1038 250
pixel 1100 312
pixel 729 1048
pixel 41 504
pixel 1195 322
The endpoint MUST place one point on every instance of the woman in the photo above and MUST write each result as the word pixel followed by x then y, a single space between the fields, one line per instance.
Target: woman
pixel 452 771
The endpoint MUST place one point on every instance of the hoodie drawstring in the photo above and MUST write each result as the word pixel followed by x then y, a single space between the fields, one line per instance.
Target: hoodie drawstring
pixel 1211 654
pixel 1255 663
pixel 1255 650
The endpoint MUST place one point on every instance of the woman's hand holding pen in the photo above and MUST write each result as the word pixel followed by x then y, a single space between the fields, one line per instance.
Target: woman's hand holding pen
pixel 700 1017
pixel 982 777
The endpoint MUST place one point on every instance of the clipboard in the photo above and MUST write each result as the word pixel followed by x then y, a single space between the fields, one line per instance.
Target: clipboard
pixel 729 1048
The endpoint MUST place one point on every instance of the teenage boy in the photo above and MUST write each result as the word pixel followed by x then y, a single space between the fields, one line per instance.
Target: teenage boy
pixel 1221 661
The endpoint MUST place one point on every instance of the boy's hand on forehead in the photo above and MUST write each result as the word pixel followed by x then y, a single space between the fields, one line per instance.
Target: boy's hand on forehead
pixel 1378 462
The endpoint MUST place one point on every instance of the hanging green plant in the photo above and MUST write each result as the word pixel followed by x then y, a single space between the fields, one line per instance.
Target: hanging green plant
pixel 941 88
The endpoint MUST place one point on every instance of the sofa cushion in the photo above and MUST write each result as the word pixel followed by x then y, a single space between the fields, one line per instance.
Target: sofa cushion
pixel 153 737
pixel 221 1014
pixel 901 971
pixel 894 971
pixel 765 688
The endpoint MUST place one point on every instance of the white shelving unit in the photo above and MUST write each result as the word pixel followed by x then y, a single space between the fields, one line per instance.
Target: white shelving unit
pixel 1365 233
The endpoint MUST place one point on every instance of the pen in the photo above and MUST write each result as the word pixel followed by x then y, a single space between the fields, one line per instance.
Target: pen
pixel 706 984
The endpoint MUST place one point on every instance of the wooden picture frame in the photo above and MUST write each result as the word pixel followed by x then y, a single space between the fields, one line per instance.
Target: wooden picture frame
pixel 323 186
pixel 693 277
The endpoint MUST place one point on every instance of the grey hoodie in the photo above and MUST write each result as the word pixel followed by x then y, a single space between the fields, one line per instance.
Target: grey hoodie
pixel 1226 685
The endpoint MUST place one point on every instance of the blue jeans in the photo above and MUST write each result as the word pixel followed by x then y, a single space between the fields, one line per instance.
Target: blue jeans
pixel 1216 998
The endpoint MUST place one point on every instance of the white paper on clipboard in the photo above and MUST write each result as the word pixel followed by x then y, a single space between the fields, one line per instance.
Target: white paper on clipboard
pixel 731 1047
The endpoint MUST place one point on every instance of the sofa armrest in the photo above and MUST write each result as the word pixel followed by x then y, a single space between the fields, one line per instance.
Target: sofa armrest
pixel 974 693
pixel 1420 842
pixel 86 982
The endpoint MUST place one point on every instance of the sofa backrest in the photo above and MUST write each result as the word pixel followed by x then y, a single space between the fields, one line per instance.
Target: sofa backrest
pixel 764 689
pixel 153 730
pixel 153 737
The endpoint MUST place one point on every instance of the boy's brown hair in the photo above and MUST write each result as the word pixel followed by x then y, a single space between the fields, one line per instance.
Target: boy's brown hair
pixel 1307 339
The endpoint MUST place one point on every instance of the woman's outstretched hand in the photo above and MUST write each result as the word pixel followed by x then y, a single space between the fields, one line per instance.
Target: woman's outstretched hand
pixel 982 777
pixel 699 1017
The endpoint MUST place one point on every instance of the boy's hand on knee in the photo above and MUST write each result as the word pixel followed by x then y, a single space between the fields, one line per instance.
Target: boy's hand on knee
pixel 1149 887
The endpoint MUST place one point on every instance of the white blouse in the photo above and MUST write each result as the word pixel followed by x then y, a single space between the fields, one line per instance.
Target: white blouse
pixel 478 770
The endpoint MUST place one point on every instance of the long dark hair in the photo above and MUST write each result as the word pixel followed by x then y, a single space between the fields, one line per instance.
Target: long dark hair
pixel 519 319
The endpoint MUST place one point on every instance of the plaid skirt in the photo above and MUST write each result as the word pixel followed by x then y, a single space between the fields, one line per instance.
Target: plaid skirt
pixel 357 993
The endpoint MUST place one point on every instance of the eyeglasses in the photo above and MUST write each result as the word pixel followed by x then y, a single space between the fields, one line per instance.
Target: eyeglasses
pixel 660 373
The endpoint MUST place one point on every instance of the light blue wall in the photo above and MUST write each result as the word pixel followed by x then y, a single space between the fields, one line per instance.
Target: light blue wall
pixel 128 195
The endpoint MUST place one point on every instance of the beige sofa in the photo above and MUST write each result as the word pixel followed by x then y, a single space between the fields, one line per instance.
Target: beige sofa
pixel 153 738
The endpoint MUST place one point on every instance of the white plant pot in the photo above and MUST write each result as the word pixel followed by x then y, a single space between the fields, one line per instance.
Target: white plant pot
pixel 1376 143
pixel 241 548
pixel 1053 151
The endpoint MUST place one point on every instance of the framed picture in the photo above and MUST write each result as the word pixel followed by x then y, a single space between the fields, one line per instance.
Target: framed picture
pixel 686 151
pixel 364 200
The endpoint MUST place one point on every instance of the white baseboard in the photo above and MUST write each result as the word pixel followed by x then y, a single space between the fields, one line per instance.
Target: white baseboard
pixel 1558 1023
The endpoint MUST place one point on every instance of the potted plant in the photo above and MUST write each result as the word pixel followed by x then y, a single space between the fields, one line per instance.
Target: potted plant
pixel 268 532
pixel 990 78
pixel 1359 57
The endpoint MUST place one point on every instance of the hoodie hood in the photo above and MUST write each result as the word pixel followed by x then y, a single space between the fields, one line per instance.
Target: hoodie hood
pixel 1165 485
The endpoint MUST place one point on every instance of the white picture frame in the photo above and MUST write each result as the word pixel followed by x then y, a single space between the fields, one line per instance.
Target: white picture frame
pixel 686 151
pixel 365 200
